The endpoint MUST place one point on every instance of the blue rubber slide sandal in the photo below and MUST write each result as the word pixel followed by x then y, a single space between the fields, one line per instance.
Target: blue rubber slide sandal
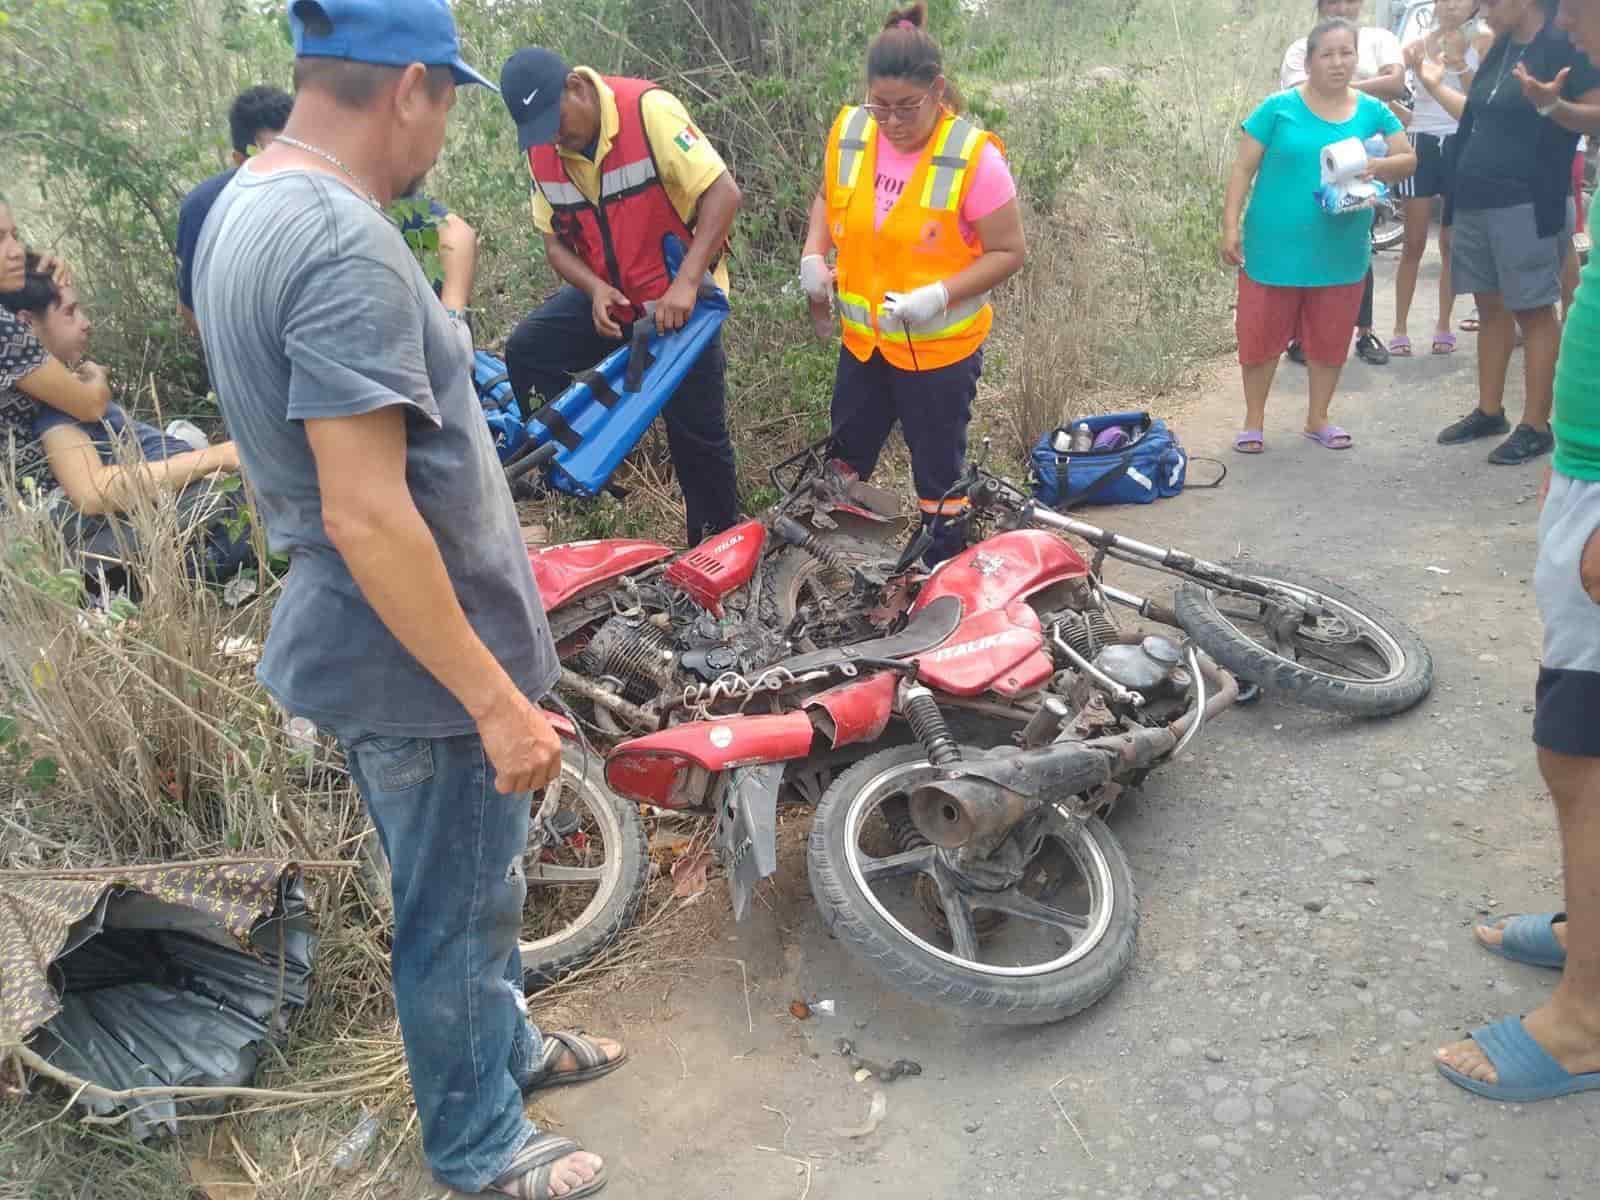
pixel 1526 1072
pixel 1529 939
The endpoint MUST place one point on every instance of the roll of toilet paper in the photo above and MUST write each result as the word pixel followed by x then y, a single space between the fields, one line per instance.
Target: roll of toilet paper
pixel 1343 162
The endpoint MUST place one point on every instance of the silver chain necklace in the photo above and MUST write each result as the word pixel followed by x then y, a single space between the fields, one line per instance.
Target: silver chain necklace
pixel 1506 64
pixel 323 154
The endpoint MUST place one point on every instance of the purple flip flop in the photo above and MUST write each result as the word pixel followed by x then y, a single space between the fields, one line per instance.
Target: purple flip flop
pixel 1331 437
pixel 1250 441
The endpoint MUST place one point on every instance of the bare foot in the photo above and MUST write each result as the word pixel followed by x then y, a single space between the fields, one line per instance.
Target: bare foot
pixel 1493 935
pixel 1572 1039
pixel 569 1060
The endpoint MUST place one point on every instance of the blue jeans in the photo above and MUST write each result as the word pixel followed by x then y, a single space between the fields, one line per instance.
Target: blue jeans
pixel 455 848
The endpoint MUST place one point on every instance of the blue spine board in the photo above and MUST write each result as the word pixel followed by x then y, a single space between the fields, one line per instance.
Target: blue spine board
pixel 609 435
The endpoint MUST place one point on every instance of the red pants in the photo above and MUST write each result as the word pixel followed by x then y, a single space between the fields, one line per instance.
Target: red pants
pixel 1322 318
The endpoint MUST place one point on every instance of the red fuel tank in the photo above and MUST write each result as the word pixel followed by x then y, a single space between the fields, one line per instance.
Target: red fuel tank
pixel 1002 569
pixel 719 565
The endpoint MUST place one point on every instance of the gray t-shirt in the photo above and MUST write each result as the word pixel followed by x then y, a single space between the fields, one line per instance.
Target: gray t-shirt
pixel 312 306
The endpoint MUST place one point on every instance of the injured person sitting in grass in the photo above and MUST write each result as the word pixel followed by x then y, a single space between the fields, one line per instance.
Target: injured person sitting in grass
pixel 96 474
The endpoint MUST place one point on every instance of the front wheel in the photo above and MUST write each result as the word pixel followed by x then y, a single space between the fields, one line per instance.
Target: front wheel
pixel 1388 225
pixel 1048 946
pixel 585 890
pixel 1344 654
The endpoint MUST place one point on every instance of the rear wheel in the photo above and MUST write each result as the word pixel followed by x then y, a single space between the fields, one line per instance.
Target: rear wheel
pixel 796 579
pixel 1038 951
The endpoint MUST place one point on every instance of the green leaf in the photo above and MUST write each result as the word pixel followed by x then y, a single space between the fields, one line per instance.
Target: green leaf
pixel 8 730
pixel 43 774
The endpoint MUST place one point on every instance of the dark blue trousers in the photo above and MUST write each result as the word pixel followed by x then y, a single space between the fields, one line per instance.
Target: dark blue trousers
pixel 558 340
pixel 933 408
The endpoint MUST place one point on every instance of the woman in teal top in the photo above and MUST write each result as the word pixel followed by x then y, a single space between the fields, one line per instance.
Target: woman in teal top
pixel 1302 269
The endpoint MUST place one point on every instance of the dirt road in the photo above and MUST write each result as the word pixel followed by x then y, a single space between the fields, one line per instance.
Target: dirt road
pixel 1258 1048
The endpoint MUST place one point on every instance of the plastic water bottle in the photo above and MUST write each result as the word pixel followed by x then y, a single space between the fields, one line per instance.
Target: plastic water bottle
pixel 348 1153
pixel 1082 438
pixel 188 431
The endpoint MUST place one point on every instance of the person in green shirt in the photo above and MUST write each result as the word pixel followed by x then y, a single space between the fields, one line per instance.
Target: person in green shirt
pixel 1301 269
pixel 1555 1049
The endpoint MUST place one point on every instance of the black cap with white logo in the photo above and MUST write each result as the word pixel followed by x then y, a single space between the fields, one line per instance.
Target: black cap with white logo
pixel 531 84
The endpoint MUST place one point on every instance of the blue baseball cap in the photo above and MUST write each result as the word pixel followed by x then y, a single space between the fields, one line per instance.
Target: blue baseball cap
pixel 531 83
pixel 389 33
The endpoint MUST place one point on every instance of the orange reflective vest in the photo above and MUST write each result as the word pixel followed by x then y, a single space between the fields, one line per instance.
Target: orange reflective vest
pixel 918 243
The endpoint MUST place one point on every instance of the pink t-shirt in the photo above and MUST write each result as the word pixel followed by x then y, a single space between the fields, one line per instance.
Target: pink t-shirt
pixel 992 186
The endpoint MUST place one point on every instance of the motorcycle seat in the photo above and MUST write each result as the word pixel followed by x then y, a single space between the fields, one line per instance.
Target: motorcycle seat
pixel 927 628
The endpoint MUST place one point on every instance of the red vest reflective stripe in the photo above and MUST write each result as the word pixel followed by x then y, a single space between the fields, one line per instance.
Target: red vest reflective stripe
pixel 620 238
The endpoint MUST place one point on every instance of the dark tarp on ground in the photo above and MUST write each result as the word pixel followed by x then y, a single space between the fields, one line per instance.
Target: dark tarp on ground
pixel 168 975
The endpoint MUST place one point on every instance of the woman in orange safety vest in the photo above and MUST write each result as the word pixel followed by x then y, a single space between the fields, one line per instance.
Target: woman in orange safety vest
pixel 921 207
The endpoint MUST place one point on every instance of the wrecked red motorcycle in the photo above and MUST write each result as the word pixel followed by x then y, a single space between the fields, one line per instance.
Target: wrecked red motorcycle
pixel 963 732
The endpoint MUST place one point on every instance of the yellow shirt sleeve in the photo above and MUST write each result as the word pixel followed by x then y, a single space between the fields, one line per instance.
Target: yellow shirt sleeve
pixel 688 162
pixel 543 214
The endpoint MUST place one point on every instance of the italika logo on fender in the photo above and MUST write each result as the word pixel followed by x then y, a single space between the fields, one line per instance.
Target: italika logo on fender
pixel 965 649
pixel 724 547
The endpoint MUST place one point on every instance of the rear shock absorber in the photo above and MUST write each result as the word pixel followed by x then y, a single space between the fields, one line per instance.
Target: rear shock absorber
pixel 928 723
pixel 797 534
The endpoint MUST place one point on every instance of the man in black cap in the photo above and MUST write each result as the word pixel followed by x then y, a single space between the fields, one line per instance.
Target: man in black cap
pixel 410 624
pixel 617 166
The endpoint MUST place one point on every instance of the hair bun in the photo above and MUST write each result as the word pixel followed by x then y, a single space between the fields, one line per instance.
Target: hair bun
pixel 913 16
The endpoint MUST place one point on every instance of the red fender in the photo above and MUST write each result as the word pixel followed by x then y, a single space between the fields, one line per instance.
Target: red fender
pixel 857 711
pixel 658 767
pixel 562 572
pixel 985 648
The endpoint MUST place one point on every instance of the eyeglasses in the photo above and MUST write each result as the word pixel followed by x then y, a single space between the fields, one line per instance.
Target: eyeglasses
pixel 884 113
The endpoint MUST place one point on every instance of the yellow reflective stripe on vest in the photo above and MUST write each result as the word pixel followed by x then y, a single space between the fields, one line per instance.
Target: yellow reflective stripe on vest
pixel 854 311
pixel 948 170
pixel 858 126
pixel 958 318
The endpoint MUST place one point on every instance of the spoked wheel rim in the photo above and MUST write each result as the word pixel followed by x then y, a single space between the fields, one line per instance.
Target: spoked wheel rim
pixel 1343 643
pixel 1083 923
pixel 589 863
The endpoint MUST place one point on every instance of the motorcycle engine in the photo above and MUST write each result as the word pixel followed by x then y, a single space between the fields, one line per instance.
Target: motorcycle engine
pixel 635 651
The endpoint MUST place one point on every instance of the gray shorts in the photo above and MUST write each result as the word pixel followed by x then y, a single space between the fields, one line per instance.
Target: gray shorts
pixel 1568 696
pixel 1500 250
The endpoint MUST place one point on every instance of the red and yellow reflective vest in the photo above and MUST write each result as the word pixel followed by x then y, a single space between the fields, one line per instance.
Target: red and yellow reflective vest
pixel 620 237
pixel 918 243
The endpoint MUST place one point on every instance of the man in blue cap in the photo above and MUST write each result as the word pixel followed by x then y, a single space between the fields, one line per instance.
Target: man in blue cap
pixel 617 166
pixel 409 622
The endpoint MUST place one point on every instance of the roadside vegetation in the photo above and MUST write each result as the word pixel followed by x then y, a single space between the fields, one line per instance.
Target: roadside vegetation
pixel 135 732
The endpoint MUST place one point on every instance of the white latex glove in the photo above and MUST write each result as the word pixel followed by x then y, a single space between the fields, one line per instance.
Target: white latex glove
pixel 816 277
pixel 915 308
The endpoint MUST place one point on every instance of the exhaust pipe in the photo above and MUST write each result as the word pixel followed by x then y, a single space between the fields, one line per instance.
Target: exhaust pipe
pixel 979 801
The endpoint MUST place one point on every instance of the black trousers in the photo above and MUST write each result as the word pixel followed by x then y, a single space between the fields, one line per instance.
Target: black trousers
pixel 933 407
pixel 1364 317
pixel 558 340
